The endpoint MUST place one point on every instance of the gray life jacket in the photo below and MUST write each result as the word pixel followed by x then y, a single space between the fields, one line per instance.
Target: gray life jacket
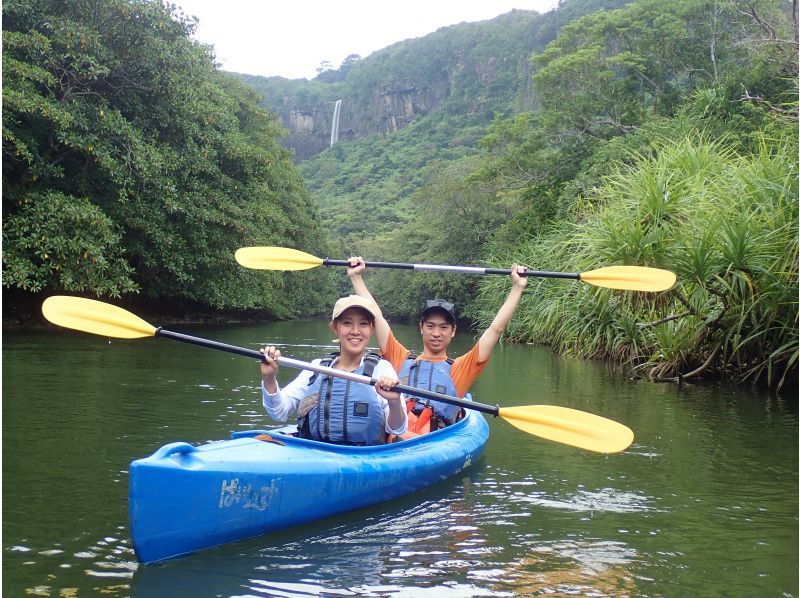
pixel 342 411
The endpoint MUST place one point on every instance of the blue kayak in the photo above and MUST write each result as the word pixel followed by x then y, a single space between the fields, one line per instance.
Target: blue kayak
pixel 185 498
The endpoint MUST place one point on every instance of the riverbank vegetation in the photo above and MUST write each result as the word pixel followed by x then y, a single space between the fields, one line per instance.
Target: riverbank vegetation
pixel 131 165
pixel 693 167
pixel 662 140
pixel 725 223
pixel 134 168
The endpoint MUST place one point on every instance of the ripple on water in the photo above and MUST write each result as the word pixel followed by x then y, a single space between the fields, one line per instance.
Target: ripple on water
pixel 108 560
pixel 607 500
pixel 522 492
pixel 446 590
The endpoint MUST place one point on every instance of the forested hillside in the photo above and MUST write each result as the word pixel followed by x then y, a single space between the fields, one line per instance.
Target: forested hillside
pixel 467 71
pixel 470 71
pixel 409 105
pixel 657 139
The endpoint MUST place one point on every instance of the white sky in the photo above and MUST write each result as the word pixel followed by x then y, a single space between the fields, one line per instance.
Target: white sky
pixel 290 38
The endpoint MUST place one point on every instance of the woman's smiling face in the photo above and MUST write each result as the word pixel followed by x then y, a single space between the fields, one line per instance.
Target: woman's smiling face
pixel 354 328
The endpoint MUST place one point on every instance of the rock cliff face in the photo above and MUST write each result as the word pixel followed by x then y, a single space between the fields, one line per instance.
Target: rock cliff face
pixel 470 69
pixel 398 108
pixel 310 126
pixel 467 69
pixel 307 129
pixel 388 110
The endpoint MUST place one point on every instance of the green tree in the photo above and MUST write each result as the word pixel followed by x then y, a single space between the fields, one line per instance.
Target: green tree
pixel 612 81
pixel 131 163
pixel 607 72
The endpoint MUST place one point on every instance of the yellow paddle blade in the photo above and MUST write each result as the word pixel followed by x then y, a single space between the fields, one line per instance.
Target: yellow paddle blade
pixel 95 317
pixel 570 426
pixel 276 258
pixel 630 278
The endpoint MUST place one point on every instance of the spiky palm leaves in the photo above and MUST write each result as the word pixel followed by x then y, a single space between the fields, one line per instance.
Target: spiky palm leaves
pixel 726 224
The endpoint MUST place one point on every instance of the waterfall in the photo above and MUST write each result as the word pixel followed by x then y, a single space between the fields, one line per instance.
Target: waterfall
pixel 335 123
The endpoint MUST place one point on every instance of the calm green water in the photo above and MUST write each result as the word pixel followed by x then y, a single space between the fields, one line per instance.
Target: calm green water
pixel 704 503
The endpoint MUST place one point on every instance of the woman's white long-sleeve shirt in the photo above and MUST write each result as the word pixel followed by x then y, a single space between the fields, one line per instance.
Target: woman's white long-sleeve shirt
pixel 285 401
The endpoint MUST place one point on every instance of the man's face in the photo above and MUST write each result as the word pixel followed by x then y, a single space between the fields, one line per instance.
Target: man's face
pixel 437 332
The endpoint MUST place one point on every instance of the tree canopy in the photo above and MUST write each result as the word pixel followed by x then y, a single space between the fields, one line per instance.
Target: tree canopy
pixel 131 164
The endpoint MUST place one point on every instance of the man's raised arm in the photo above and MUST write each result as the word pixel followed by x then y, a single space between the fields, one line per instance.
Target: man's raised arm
pixel 492 334
pixel 382 329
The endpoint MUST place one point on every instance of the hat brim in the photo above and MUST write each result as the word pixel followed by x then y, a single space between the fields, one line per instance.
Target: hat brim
pixel 345 303
pixel 450 317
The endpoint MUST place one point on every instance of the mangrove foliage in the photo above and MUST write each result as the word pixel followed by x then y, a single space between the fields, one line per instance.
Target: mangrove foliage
pixel 131 164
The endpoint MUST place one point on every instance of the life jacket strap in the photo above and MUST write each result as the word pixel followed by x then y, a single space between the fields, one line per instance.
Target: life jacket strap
pixel 413 357
pixel 370 361
pixel 420 417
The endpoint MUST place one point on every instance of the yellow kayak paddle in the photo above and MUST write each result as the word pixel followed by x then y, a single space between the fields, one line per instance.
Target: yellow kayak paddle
pixel 629 278
pixel 559 424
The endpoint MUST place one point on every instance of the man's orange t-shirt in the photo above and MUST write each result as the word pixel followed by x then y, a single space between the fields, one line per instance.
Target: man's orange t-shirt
pixel 464 371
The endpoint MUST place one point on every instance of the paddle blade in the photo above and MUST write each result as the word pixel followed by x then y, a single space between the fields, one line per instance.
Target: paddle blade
pixel 95 317
pixel 570 426
pixel 276 258
pixel 630 278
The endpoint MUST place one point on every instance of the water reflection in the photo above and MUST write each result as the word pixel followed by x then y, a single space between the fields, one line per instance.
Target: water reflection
pixel 595 569
pixel 108 561
pixel 606 499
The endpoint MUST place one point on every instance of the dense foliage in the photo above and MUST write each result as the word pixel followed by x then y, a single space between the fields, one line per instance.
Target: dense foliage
pixel 693 169
pixel 660 139
pixel 632 135
pixel 725 223
pixel 130 164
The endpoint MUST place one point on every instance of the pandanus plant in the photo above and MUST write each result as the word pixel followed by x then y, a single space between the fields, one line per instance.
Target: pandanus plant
pixel 725 224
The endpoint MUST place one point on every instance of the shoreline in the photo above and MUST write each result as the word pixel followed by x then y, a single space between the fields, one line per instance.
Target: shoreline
pixel 23 312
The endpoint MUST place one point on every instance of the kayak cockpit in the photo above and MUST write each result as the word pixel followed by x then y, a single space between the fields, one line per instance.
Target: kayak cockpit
pixel 288 434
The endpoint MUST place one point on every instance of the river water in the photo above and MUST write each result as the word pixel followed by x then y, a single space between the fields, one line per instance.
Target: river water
pixel 704 503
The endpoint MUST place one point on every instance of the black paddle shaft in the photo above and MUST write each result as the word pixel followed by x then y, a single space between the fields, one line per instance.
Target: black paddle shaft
pixel 411 390
pixel 451 268
pixel 202 342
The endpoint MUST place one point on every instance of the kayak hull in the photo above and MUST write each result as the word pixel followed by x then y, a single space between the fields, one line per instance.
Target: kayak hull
pixel 185 498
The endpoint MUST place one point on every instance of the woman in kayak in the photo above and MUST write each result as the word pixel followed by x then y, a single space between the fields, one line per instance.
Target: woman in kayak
pixel 332 409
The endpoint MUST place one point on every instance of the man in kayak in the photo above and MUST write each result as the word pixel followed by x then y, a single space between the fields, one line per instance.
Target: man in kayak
pixel 434 370
pixel 332 409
